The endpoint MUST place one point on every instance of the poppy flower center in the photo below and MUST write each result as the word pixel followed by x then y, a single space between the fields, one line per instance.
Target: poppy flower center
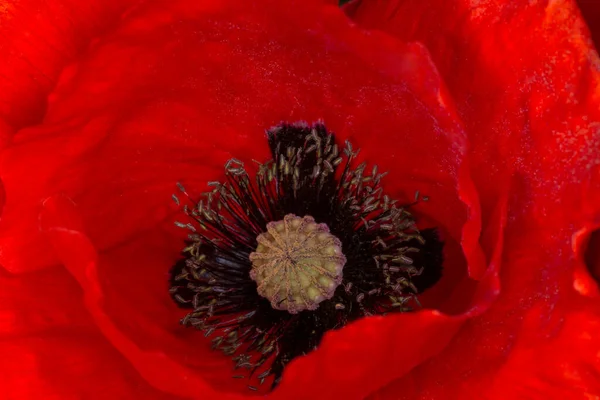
pixel 306 243
pixel 297 264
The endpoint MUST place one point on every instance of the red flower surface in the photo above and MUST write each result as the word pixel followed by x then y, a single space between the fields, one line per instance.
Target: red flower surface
pixel 490 108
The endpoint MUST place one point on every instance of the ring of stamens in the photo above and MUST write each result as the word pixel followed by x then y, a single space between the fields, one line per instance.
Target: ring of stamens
pixel 297 263
pixel 387 260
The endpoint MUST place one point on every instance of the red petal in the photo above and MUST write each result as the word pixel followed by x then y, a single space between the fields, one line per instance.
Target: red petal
pixel 563 366
pixel 535 342
pixel 177 90
pixel 520 107
pixel 533 115
pixel 548 359
pixel 51 350
pixel 39 38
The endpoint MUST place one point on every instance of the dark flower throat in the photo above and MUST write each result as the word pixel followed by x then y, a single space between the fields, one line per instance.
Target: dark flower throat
pixel 388 261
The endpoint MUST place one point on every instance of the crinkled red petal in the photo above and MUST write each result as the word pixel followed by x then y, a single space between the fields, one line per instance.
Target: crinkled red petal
pixel 525 79
pixel 39 38
pixel 553 358
pixel 50 347
pixel 529 111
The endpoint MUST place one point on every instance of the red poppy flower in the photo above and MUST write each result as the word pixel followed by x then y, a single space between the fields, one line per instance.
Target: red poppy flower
pixel 108 105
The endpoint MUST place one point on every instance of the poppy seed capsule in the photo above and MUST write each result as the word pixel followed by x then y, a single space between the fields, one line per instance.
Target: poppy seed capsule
pixel 297 264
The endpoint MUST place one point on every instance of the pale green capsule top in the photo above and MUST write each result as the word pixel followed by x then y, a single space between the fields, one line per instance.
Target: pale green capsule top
pixel 297 263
